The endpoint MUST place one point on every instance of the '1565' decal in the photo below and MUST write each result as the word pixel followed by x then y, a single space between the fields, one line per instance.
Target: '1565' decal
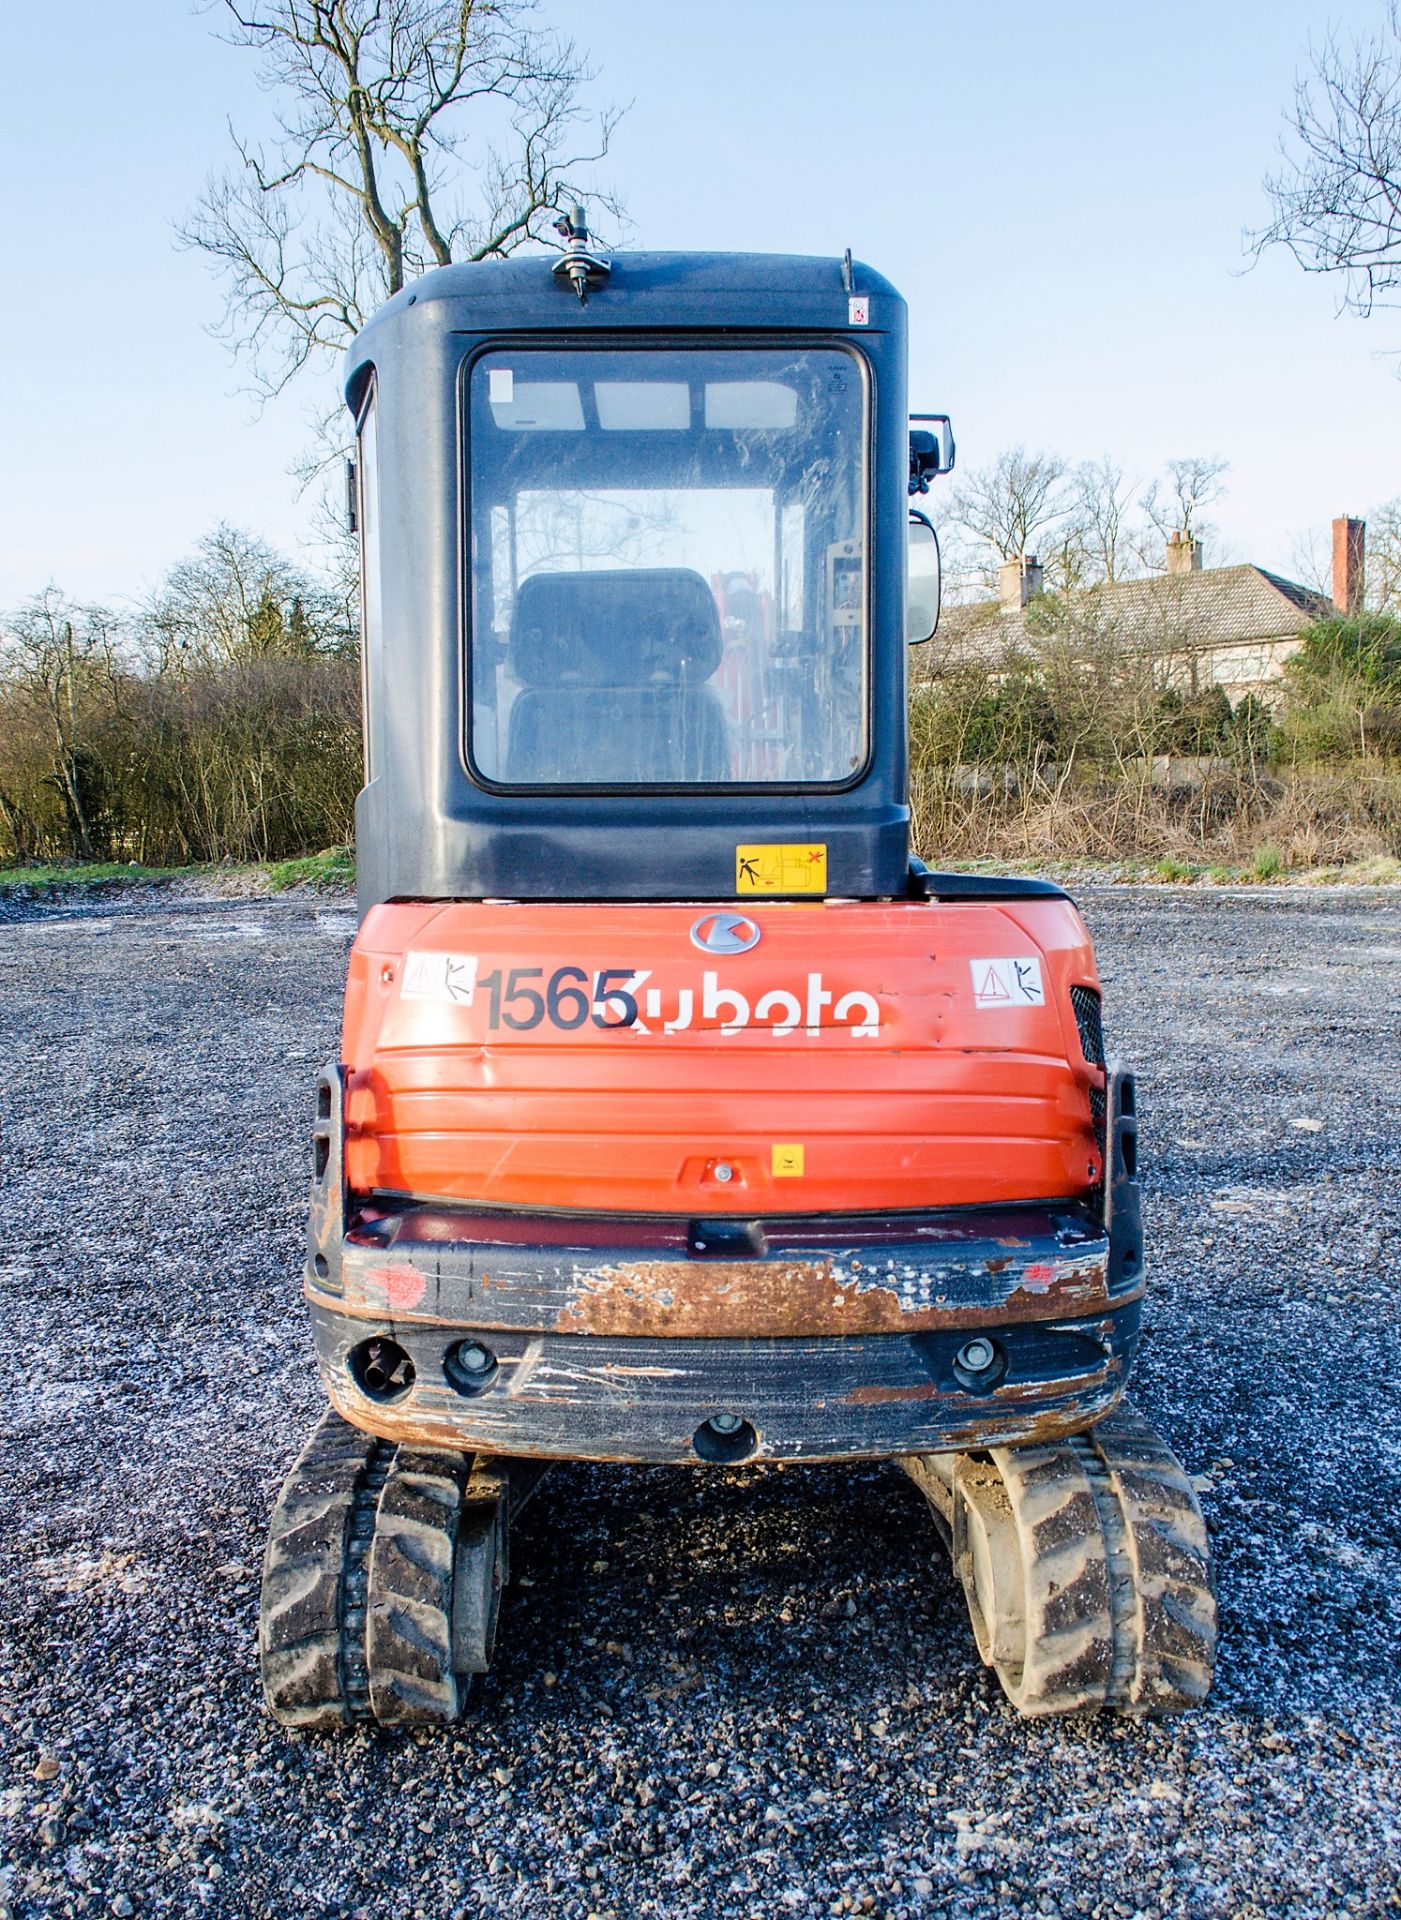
pixel 520 998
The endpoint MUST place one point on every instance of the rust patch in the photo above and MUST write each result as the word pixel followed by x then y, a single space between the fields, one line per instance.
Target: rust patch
pixel 778 1299
pixel 1069 1284
pixel 1019 1426
pixel 455 1427
pixel 885 1396
pixel 705 1299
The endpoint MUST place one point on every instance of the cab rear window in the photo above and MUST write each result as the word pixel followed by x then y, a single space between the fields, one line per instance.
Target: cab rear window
pixel 667 567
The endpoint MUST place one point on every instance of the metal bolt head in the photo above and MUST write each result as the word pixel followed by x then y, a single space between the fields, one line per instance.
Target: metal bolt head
pixel 977 1356
pixel 726 1422
pixel 724 1171
pixel 474 1358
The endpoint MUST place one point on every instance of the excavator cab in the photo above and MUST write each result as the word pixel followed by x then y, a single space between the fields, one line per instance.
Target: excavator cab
pixel 681 1116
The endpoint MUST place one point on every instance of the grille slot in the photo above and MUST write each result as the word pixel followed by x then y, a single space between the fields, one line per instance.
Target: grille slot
pixel 1089 1021
pixel 1086 1004
pixel 1098 1107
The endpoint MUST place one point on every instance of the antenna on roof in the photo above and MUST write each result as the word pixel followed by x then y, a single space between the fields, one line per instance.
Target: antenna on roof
pixel 582 269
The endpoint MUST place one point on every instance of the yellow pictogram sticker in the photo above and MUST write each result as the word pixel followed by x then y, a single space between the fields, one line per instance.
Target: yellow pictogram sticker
pixel 795 869
pixel 787 1163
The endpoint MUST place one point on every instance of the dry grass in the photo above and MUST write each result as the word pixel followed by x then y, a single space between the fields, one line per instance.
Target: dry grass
pixel 1267 825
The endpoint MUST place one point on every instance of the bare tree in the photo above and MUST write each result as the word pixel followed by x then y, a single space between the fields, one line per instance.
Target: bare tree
pixel 1103 502
pixel 1065 563
pixel 236 598
pixel 1337 198
pixel 1081 522
pixel 964 573
pixel 54 657
pixel 1310 562
pixel 1176 505
pixel 411 133
pixel 1384 557
pixel 1011 503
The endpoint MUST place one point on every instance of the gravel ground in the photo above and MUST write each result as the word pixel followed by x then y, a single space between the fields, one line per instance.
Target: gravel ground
pixel 717 1693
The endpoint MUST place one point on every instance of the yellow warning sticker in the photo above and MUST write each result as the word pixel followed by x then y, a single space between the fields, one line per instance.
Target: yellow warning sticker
pixel 787 1162
pixel 795 869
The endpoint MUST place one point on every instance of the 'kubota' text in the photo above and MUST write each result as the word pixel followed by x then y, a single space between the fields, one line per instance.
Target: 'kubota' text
pixel 517 999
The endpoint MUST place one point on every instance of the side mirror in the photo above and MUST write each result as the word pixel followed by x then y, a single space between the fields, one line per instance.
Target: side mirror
pixel 932 449
pixel 923 582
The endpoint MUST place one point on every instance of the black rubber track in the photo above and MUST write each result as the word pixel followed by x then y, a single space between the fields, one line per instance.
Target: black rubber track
pixel 313 1579
pixel 1165 1604
pixel 1088 1572
pixel 356 1621
pixel 408 1626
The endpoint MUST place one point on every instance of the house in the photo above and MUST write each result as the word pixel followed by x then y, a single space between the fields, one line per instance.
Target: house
pixel 1232 627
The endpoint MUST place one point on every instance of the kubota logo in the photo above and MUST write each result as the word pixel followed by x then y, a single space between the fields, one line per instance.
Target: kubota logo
pixel 724 933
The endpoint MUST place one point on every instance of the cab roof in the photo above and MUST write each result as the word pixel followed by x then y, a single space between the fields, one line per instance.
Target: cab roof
pixel 656 290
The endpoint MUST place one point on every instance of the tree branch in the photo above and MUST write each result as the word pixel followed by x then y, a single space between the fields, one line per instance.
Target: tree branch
pixel 411 133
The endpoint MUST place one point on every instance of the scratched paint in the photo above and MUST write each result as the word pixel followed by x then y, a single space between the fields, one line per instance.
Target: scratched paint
pixel 891 1424
pixel 774 1299
pixel 696 1299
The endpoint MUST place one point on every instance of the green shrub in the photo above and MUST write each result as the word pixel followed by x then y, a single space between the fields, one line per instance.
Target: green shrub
pixel 1343 691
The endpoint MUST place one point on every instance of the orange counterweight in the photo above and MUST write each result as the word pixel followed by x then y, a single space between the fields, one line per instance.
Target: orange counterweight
pixel 638 1059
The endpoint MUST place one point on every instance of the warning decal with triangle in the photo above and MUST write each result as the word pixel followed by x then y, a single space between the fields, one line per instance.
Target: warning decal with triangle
pixel 1007 983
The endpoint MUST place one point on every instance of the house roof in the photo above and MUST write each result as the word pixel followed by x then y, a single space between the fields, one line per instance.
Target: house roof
pixel 1217 607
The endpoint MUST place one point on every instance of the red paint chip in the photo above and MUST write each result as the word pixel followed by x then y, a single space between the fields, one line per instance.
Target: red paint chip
pixel 394 1286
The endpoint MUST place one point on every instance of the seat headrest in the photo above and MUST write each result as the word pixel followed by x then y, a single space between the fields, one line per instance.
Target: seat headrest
pixel 639 627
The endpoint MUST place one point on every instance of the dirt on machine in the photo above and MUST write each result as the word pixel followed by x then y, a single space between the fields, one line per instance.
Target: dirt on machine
pixel 682 1117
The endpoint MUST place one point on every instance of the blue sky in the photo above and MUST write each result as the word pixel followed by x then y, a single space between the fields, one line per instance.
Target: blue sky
pixel 1059 193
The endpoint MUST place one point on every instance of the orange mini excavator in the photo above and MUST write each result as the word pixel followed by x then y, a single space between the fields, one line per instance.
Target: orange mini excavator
pixel 682 1116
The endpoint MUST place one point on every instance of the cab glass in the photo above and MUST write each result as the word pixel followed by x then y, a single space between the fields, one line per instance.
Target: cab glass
pixel 667 563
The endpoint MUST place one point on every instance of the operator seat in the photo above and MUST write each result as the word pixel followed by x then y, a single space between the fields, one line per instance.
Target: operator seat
pixel 612 668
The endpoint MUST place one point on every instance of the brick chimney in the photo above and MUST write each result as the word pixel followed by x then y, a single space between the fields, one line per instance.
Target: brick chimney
pixel 1349 564
pixel 1018 582
pixel 1184 553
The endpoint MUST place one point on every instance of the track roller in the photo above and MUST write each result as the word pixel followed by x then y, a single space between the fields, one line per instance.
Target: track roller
pixel 382 1580
pixel 1086 1569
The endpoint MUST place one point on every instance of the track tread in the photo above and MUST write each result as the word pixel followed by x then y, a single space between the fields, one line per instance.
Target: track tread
pixel 301 1620
pixel 1101 1572
pixel 367 1546
pixel 1171 1553
pixel 408 1620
